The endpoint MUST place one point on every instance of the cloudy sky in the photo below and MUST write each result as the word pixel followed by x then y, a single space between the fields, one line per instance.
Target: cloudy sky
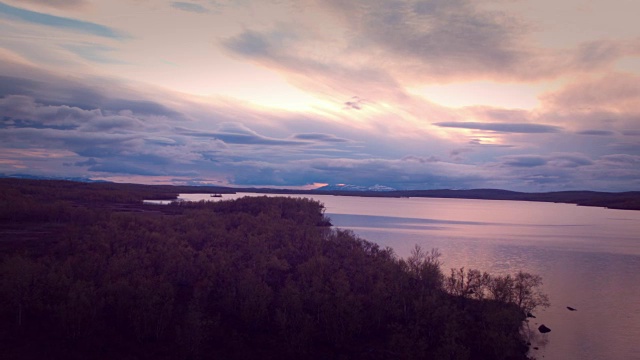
pixel 533 95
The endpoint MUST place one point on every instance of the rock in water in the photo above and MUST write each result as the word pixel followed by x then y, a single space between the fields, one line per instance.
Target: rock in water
pixel 543 329
pixel 571 309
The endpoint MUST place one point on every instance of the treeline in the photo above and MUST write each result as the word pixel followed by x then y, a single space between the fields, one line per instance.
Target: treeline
pixel 257 277
pixel 94 192
pixel 56 190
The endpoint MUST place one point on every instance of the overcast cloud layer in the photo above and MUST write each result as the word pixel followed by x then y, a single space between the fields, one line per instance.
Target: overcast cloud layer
pixel 522 95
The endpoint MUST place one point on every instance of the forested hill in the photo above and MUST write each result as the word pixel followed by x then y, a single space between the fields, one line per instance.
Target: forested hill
pixel 85 277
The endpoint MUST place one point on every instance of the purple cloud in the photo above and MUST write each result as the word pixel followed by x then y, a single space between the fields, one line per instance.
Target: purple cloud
pixel 320 137
pixel 190 7
pixel 521 128
pixel 596 132
pixel 524 160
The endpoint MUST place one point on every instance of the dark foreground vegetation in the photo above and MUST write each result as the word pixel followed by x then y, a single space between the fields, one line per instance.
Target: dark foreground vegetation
pixel 98 275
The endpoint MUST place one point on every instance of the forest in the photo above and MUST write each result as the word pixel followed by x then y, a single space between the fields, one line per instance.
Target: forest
pixel 87 271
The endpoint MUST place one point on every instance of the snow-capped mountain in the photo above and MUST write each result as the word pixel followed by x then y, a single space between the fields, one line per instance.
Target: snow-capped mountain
pixel 349 187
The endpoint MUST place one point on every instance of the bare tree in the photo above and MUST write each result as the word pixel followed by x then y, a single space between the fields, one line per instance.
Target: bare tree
pixel 523 289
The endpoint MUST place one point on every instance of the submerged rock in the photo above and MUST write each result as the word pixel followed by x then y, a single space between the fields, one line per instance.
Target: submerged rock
pixel 543 329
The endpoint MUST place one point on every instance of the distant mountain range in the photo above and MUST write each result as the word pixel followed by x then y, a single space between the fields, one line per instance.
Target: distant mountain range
pixel 629 200
pixel 349 187
pixel 37 177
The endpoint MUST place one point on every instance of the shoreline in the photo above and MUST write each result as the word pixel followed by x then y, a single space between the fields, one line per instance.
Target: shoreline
pixel 616 201
pixel 629 200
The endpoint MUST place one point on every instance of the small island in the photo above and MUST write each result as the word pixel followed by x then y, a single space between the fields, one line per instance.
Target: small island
pixel 87 271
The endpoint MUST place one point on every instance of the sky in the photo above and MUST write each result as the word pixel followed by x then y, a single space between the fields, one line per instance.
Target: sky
pixel 526 95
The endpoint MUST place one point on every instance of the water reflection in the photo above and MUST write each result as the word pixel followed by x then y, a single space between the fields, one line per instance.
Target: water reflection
pixel 397 223
pixel 601 285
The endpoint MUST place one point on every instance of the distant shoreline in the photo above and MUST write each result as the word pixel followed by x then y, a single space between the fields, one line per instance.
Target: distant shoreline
pixel 619 201
pixel 629 200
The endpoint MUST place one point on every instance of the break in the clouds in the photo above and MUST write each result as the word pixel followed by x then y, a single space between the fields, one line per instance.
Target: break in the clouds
pixel 411 94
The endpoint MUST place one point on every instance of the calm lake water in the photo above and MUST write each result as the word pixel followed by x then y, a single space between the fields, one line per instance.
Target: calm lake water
pixel 588 257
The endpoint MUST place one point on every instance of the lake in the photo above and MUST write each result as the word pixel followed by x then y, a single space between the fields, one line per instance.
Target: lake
pixel 588 257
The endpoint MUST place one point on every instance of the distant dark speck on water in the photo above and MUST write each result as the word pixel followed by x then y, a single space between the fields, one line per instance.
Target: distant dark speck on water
pixel 571 309
pixel 543 329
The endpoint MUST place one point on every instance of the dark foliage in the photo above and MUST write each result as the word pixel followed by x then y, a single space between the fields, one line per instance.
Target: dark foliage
pixel 262 278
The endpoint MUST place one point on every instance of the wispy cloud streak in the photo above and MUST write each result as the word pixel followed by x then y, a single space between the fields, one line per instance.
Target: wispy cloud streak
pixel 521 128
pixel 33 17
pixel 189 7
